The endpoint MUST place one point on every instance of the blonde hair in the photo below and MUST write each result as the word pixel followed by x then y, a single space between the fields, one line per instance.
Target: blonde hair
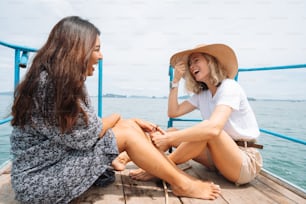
pixel 217 75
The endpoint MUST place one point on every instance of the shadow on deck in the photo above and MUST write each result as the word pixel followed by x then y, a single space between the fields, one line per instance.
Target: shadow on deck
pixel 263 189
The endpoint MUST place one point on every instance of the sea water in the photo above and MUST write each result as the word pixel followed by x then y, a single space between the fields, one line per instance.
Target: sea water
pixel 283 158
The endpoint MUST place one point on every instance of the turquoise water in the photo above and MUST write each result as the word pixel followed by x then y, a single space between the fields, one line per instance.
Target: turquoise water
pixel 283 158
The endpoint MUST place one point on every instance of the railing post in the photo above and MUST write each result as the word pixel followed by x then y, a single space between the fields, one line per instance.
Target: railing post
pixel 16 68
pixel 24 59
pixel 170 75
pixel 170 121
pixel 236 77
pixel 100 88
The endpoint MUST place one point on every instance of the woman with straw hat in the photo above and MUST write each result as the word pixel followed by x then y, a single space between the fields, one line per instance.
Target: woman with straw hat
pixel 225 139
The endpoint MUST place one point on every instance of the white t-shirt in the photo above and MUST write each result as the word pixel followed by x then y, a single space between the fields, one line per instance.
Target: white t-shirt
pixel 242 124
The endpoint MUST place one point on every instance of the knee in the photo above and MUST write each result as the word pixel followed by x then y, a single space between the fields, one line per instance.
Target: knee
pixel 126 123
pixel 128 126
pixel 130 123
pixel 217 139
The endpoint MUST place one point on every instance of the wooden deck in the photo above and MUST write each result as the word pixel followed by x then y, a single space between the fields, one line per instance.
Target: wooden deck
pixel 264 189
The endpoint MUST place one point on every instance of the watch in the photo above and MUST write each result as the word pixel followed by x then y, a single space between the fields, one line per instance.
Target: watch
pixel 173 85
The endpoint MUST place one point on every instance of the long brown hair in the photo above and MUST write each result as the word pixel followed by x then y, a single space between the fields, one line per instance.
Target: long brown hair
pixel 64 58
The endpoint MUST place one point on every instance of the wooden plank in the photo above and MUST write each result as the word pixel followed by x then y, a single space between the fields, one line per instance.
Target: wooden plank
pixel 95 195
pixel 7 195
pixel 148 192
pixel 205 177
pixel 270 192
pixel 6 169
pixel 244 194
pixel 126 190
pixel 281 182
pixel 276 191
pixel 99 195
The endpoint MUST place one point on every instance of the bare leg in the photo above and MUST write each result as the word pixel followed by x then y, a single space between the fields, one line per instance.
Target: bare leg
pixel 142 175
pixel 130 138
pixel 123 158
pixel 221 148
pixel 120 162
pixel 206 159
pixel 177 158
pixel 191 150
pixel 228 158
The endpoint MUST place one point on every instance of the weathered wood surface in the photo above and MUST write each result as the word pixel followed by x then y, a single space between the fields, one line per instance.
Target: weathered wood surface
pixel 125 190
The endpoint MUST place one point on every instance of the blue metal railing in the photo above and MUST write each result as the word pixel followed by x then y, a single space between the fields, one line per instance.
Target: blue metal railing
pixel 290 138
pixel 21 61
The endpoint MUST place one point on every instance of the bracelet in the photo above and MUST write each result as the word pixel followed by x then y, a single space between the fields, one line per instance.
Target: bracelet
pixel 173 85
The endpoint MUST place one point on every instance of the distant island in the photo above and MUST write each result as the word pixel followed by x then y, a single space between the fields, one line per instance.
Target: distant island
pixel 7 93
pixel 112 95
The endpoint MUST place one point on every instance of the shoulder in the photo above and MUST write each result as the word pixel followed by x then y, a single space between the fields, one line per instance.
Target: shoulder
pixel 230 84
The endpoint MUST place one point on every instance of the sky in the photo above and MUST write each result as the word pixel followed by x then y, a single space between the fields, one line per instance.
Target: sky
pixel 138 38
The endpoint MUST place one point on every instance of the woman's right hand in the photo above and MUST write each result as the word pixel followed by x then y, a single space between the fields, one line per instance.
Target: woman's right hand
pixel 160 140
pixel 179 71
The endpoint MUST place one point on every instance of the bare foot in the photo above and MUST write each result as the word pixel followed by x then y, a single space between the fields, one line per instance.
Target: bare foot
pixel 141 175
pixel 198 189
pixel 120 162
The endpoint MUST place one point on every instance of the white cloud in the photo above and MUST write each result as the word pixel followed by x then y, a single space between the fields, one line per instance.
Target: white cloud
pixel 138 37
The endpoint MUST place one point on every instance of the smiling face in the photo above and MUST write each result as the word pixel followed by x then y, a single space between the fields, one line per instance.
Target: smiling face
pixel 198 67
pixel 94 58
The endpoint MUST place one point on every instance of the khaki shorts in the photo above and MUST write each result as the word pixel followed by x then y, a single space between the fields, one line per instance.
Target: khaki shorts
pixel 250 167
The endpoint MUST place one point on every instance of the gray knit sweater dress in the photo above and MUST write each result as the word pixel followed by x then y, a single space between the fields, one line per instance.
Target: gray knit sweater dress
pixel 52 167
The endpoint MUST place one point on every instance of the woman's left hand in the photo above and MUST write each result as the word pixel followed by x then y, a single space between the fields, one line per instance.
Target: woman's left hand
pixel 148 126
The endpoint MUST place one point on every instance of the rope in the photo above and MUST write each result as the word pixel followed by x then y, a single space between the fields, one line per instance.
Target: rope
pixel 183 168
pixel 166 192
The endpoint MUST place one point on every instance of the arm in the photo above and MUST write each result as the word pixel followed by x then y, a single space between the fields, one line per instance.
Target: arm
pixel 199 132
pixel 109 122
pixel 174 108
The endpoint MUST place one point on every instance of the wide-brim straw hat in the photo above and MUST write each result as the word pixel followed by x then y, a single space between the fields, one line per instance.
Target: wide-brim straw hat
pixel 223 53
